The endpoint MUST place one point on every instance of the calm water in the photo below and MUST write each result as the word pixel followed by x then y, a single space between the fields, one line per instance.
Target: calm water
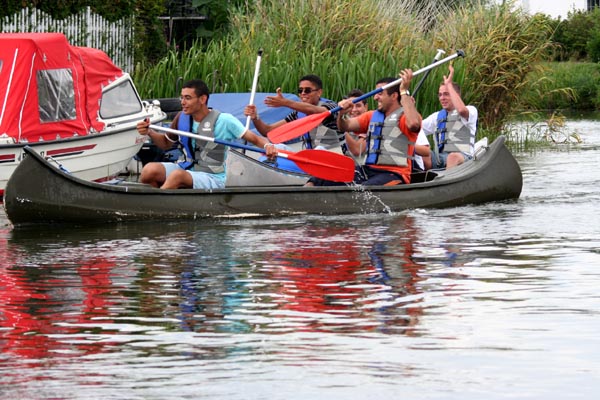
pixel 483 302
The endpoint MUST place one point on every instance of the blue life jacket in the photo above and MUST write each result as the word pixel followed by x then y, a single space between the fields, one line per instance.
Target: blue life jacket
pixel 389 146
pixel 375 128
pixel 440 132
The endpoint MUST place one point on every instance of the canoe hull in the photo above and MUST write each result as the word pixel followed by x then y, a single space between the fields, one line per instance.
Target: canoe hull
pixel 244 170
pixel 51 196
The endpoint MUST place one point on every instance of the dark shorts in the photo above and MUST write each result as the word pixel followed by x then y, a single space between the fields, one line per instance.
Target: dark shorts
pixel 363 175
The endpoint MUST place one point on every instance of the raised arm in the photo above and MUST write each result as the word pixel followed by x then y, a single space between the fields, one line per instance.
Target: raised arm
pixel 344 123
pixel 259 124
pixel 413 118
pixel 280 101
pixel 457 101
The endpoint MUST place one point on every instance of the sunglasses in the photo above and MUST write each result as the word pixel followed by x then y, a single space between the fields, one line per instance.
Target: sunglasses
pixel 306 90
pixel 187 98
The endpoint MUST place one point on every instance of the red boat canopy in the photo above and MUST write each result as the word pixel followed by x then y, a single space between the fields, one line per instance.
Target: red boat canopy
pixel 49 89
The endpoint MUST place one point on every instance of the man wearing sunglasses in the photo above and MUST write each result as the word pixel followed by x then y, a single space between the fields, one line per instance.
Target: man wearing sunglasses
pixel 310 89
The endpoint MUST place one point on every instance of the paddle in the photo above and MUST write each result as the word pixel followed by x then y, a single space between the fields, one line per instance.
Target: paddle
pixel 439 53
pixel 296 128
pixel 318 163
pixel 254 84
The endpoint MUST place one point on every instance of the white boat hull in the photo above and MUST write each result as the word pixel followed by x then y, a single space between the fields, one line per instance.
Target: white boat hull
pixel 94 157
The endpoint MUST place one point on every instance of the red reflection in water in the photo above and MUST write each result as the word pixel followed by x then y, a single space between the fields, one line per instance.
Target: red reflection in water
pixel 36 308
pixel 313 274
pixel 327 271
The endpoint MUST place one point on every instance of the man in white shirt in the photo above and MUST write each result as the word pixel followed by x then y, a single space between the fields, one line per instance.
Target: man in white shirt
pixel 454 127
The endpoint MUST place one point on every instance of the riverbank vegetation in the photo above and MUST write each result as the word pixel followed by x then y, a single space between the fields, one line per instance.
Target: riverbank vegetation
pixel 353 44
pixel 571 80
pixel 563 85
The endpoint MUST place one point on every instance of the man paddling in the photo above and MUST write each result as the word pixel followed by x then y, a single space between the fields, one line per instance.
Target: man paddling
pixel 391 130
pixel 202 164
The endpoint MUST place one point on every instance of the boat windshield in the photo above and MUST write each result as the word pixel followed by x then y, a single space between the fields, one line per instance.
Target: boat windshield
pixel 119 101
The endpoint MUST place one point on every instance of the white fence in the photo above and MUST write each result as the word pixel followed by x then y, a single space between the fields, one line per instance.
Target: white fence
pixel 83 29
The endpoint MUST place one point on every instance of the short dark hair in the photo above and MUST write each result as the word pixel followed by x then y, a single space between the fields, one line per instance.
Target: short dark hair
pixel 356 93
pixel 392 89
pixel 314 79
pixel 199 86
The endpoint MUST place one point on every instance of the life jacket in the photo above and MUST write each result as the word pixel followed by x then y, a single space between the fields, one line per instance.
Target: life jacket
pixel 208 157
pixel 452 134
pixel 386 144
pixel 322 135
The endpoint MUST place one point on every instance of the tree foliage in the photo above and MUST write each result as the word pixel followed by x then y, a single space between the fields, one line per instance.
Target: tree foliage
pixel 218 12
pixel 112 10
pixel 150 40
pixel 578 36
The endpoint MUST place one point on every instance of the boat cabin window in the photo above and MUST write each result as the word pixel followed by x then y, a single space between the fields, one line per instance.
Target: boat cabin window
pixel 56 95
pixel 119 101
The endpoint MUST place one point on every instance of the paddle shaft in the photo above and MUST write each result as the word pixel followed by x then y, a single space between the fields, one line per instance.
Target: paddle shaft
pixel 439 53
pixel 459 53
pixel 254 84
pixel 210 139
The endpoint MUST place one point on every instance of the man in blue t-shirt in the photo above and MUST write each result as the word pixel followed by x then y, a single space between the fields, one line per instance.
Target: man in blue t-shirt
pixel 202 164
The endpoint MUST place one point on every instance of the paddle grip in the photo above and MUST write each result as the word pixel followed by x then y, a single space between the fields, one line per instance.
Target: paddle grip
pixel 439 53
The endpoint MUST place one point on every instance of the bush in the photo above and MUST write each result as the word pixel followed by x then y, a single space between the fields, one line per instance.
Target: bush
pixel 563 85
pixel 575 34
pixel 593 47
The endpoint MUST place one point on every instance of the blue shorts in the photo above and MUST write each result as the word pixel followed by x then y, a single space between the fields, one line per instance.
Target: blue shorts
pixel 440 161
pixel 443 157
pixel 202 180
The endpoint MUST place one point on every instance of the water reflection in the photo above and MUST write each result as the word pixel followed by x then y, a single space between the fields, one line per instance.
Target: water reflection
pixel 310 278
pixel 136 278
pixel 41 302
pixel 456 301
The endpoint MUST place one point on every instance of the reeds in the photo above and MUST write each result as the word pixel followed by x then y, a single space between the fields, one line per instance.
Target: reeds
pixel 561 85
pixel 351 44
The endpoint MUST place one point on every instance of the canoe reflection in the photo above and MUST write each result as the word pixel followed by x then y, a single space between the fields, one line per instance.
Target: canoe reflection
pixel 61 295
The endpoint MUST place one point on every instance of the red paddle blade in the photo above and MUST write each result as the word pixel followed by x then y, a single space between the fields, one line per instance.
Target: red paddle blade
pixel 296 128
pixel 324 164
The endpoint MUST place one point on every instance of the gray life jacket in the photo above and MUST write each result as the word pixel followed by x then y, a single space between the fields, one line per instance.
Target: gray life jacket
pixel 199 155
pixel 322 135
pixel 386 144
pixel 452 134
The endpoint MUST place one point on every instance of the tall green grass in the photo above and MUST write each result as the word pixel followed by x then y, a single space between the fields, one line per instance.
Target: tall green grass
pixel 562 85
pixel 352 44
